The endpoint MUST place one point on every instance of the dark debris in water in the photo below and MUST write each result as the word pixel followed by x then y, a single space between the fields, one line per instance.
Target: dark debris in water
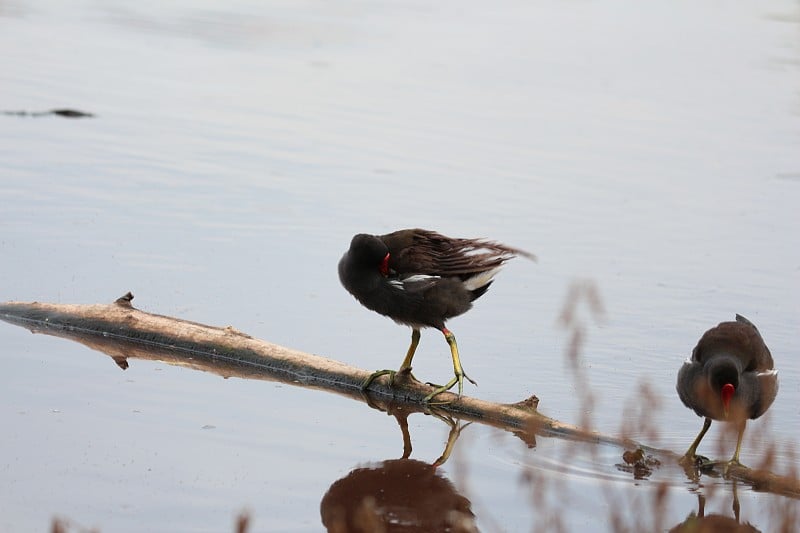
pixel 638 463
pixel 64 112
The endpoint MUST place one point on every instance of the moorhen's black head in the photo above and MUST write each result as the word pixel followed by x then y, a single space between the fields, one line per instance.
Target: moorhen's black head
pixel 368 251
pixel 723 378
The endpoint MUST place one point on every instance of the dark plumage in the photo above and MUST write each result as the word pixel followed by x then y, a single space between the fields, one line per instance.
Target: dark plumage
pixel 729 377
pixel 421 278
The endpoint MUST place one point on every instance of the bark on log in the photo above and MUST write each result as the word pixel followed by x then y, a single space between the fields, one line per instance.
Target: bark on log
pixel 122 332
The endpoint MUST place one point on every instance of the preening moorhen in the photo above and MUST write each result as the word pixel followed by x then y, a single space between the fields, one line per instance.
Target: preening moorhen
pixel 729 377
pixel 421 278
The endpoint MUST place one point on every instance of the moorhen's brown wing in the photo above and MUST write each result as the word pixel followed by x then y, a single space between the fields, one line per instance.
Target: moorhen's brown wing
pixel 419 251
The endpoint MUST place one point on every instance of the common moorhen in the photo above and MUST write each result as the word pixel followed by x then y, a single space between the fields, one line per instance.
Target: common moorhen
pixel 422 278
pixel 730 377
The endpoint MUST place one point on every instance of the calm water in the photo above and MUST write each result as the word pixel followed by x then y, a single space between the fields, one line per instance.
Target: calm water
pixel 237 148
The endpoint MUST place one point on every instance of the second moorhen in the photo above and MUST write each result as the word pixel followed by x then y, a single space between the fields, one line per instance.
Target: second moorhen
pixel 730 377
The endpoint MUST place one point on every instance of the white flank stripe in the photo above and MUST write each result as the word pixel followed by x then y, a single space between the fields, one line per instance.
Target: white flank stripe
pixel 418 277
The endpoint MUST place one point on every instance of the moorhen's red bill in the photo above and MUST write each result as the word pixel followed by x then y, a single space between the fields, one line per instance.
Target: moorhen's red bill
pixel 730 377
pixel 421 278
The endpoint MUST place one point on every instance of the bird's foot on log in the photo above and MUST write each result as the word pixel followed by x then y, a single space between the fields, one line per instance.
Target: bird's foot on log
pixel 732 464
pixel 439 389
pixel 457 379
pixel 394 375
pixel 696 462
pixel 401 375
pixel 376 375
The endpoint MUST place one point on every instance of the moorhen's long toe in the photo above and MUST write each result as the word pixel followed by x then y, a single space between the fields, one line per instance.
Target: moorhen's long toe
pixel 394 376
pixel 421 278
pixel 729 377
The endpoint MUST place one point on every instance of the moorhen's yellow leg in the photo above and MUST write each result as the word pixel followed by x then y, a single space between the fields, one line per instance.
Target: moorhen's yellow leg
pixel 689 457
pixel 457 369
pixel 405 366
pixel 735 459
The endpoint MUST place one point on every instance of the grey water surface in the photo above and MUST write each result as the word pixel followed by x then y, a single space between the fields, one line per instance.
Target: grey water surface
pixel 650 151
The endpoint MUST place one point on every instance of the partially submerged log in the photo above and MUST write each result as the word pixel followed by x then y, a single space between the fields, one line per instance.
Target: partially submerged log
pixel 123 332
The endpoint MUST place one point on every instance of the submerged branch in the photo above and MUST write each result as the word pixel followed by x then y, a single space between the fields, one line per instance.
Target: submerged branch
pixel 124 332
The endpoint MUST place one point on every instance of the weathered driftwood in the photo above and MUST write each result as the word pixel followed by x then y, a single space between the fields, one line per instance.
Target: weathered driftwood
pixel 122 332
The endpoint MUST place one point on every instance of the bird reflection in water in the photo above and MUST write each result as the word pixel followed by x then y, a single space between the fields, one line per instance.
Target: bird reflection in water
pixel 714 523
pixel 399 495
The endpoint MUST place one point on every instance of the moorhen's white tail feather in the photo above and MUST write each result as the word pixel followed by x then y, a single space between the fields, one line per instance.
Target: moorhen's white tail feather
pixel 481 279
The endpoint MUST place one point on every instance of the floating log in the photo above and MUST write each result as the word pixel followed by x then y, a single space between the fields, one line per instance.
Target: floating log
pixel 124 332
